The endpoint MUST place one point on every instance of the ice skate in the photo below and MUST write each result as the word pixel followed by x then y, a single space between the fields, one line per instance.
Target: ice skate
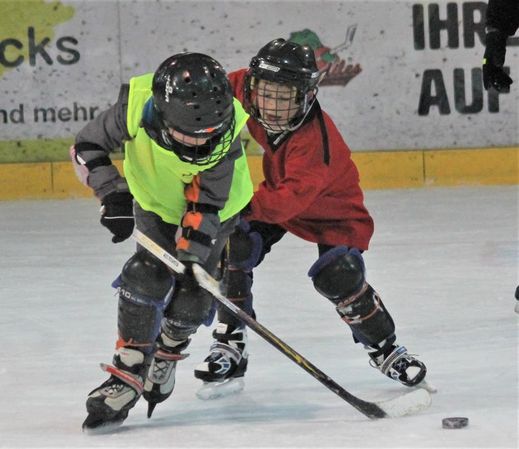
pixel 223 370
pixel 399 365
pixel 160 380
pixel 108 405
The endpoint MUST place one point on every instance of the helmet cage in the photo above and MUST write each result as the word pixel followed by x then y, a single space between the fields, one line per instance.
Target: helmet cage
pixel 278 73
pixel 209 152
pixel 208 132
pixel 277 108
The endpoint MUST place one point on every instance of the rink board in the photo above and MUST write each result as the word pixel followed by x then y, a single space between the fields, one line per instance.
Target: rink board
pixel 378 170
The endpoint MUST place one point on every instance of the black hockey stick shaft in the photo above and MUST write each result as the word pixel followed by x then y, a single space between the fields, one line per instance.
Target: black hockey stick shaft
pixel 369 409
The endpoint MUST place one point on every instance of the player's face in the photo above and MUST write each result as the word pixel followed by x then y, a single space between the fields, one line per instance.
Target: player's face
pixel 187 140
pixel 276 104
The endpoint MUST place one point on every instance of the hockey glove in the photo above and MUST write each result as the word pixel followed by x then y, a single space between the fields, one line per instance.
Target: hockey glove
pixel 493 61
pixel 117 215
pixel 199 231
pixel 245 247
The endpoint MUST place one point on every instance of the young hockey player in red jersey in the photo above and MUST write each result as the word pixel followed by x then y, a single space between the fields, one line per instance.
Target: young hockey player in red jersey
pixel 311 189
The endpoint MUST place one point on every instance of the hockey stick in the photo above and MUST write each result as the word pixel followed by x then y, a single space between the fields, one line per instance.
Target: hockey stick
pixel 402 405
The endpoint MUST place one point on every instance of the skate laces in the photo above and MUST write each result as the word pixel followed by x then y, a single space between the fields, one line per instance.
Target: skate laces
pixel 113 386
pixel 160 368
pixel 120 379
pixel 163 360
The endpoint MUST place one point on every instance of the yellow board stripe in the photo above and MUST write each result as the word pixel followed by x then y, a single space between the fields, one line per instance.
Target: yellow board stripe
pixel 378 170
pixel 472 167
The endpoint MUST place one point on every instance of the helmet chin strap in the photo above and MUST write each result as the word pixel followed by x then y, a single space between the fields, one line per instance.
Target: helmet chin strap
pixel 308 106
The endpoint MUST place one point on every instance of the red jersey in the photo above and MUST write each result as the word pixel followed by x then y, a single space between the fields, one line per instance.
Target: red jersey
pixel 311 185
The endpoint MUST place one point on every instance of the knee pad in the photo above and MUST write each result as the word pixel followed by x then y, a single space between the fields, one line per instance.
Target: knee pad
pixel 190 306
pixel 145 286
pixel 245 247
pixel 339 276
pixel 147 275
pixel 338 273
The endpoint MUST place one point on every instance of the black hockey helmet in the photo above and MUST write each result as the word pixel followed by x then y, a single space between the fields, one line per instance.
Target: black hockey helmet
pixel 288 63
pixel 192 95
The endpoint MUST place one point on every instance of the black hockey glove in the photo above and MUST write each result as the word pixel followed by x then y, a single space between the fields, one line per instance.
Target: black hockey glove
pixel 117 215
pixel 493 61
pixel 245 247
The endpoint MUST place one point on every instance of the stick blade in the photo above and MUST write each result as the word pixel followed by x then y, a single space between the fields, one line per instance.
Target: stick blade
pixel 407 404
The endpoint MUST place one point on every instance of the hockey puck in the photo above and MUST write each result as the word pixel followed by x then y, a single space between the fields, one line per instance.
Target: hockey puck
pixel 455 423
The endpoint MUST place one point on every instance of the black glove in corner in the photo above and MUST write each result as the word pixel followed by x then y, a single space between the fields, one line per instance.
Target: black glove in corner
pixel 493 61
pixel 117 215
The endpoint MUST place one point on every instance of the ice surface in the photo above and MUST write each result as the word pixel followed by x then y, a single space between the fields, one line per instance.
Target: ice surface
pixel 444 261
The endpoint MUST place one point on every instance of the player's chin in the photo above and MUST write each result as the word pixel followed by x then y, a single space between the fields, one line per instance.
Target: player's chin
pixel 275 125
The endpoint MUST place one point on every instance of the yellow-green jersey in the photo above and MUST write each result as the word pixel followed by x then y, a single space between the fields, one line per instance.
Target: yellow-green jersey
pixel 196 197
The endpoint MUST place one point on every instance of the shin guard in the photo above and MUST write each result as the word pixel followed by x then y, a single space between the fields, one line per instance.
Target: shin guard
pixel 339 275
pixel 145 286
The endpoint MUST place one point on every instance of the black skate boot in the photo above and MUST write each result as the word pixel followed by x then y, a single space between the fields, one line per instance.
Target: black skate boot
pixel 399 365
pixel 223 370
pixel 108 405
pixel 160 380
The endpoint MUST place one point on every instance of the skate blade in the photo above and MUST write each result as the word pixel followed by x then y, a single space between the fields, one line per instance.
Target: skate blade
pixel 99 428
pixel 215 390
pixel 407 403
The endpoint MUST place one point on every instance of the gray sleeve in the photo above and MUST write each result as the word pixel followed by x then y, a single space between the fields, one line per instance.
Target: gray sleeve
pixel 215 183
pixel 100 137
pixel 109 129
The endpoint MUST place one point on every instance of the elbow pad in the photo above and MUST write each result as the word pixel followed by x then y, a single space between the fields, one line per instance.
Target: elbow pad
pixel 85 158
